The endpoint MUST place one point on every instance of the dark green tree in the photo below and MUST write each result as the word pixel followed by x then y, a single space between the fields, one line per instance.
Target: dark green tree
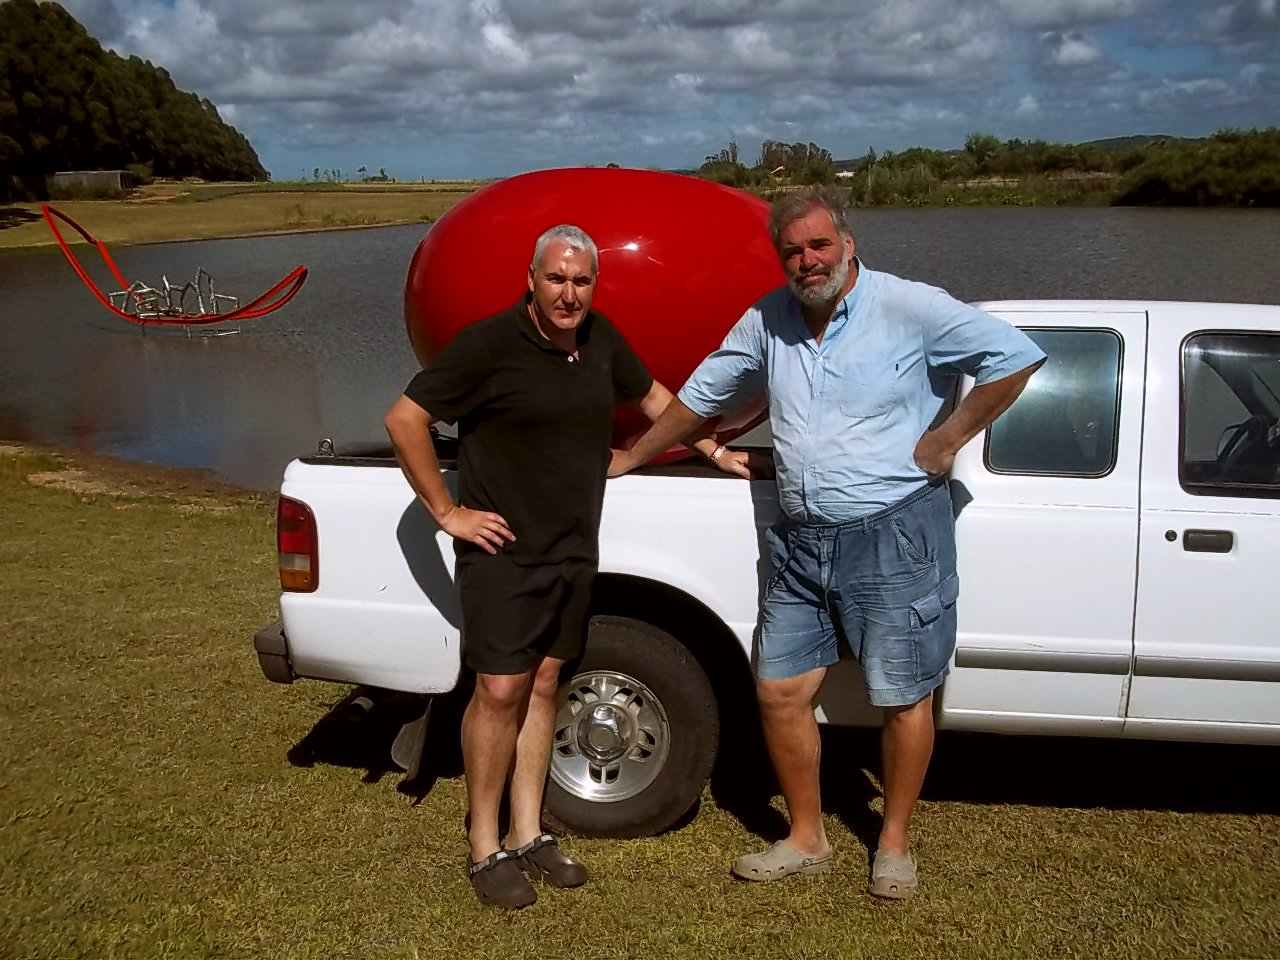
pixel 981 147
pixel 68 104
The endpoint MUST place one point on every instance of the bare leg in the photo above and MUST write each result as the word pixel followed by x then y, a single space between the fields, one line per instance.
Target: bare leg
pixel 489 729
pixel 791 734
pixel 906 743
pixel 533 750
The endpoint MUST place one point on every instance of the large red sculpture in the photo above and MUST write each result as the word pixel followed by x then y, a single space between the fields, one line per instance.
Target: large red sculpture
pixel 680 260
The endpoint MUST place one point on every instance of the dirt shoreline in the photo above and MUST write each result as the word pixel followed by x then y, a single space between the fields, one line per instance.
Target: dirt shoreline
pixel 97 473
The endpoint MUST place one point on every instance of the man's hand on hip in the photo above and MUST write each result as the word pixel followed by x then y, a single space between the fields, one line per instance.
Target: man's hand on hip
pixel 933 455
pixel 486 530
pixel 620 462
pixel 936 450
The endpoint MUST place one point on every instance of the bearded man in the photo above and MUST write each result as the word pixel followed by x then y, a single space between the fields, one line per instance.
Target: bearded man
pixel 856 365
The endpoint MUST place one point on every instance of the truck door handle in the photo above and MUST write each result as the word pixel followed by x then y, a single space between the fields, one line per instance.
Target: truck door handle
pixel 1208 541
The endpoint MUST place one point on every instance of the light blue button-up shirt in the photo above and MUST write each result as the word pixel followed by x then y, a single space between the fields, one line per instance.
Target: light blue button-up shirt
pixel 846 413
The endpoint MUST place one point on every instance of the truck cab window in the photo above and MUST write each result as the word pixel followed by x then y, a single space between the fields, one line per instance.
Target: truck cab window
pixel 1231 415
pixel 1064 423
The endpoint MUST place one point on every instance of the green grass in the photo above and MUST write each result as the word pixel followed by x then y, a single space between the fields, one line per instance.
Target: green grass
pixel 231 210
pixel 888 190
pixel 202 194
pixel 149 806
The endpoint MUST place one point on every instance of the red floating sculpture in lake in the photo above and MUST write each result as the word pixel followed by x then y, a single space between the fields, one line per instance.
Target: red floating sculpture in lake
pixel 680 260
pixel 168 305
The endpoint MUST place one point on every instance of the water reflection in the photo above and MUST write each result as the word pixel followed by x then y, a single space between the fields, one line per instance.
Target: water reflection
pixel 191 402
pixel 330 362
pixel 327 365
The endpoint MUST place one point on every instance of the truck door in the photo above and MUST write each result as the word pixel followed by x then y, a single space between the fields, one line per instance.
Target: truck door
pixel 1047 536
pixel 1207 632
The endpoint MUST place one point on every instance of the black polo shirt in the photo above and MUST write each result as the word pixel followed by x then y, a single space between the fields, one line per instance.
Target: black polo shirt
pixel 534 426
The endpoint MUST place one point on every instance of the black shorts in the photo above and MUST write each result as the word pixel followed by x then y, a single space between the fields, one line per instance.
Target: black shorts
pixel 513 614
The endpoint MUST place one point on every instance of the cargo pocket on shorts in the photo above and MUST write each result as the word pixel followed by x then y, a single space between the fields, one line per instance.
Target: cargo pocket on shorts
pixel 933 627
pixel 779 544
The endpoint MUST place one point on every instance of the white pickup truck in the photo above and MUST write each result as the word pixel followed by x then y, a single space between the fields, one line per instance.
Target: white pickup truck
pixel 1119 541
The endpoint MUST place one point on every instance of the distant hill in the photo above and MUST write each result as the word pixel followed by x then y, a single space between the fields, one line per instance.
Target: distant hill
pixel 1108 145
pixel 68 104
pixel 1121 144
pixel 1231 168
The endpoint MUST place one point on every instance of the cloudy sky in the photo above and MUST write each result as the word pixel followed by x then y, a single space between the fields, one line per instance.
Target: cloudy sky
pixel 472 88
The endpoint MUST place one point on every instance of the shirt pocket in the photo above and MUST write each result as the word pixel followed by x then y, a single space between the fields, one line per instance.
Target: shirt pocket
pixel 867 388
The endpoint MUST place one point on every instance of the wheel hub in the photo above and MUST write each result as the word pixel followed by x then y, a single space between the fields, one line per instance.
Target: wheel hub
pixel 611 737
pixel 604 733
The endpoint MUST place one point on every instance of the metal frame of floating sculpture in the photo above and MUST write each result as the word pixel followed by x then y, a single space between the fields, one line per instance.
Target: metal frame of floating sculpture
pixel 167 306
pixel 148 303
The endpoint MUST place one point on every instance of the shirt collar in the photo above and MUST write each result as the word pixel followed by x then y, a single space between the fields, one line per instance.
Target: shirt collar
pixel 848 306
pixel 853 301
pixel 530 332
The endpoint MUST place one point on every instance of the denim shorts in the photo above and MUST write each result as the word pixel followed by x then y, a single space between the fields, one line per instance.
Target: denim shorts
pixel 885 583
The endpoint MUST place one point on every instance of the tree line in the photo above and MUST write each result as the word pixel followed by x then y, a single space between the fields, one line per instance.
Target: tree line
pixel 1229 168
pixel 68 104
pixel 799 162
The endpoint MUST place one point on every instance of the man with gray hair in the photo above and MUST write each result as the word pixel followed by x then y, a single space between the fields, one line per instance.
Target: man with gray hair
pixel 533 391
pixel 856 365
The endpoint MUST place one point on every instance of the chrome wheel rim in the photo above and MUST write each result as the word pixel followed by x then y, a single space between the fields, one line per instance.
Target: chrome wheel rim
pixel 611 737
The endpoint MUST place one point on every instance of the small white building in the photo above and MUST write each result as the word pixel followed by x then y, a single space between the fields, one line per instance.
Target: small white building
pixel 89 183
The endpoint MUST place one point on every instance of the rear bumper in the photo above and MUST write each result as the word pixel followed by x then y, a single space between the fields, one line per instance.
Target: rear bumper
pixel 272 647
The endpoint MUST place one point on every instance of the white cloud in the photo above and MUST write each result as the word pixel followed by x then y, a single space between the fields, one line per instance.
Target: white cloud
pixel 482 87
pixel 1073 50
pixel 500 41
pixel 756 46
pixel 1239 16
pixel 1072 13
pixel 1242 29
pixel 1173 92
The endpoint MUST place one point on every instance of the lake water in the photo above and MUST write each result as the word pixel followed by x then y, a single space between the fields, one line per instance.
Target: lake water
pixel 331 362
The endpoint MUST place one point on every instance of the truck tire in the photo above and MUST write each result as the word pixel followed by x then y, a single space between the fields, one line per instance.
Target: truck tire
pixel 635 737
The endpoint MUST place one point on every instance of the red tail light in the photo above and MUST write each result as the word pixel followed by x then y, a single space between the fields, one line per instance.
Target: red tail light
pixel 298 546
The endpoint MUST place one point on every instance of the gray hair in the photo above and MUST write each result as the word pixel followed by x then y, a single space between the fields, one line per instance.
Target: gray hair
pixel 575 237
pixel 792 206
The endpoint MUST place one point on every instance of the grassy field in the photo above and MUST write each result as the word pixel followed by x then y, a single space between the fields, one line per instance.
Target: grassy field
pixel 182 211
pixel 160 799
pixel 202 212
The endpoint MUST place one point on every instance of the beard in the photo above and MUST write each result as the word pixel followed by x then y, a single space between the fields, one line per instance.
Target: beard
pixel 824 293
